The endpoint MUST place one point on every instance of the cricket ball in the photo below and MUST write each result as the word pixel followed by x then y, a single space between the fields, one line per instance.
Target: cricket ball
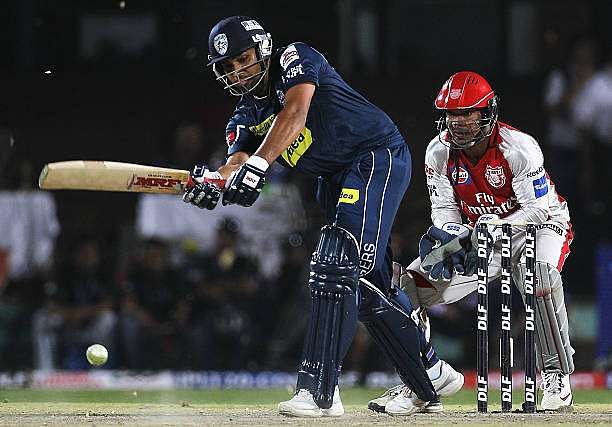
pixel 97 354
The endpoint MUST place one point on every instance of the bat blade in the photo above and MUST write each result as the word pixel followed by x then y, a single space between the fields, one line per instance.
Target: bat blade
pixel 112 176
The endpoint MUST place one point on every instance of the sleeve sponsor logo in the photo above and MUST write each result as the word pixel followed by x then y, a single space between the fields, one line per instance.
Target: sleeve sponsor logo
pixel 288 56
pixel 349 195
pixel 294 71
pixel 262 128
pixel 298 147
pixel 536 172
pixel 429 171
pixel 251 25
pixel 540 187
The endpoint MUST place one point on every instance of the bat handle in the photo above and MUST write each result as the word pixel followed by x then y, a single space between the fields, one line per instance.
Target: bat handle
pixel 190 182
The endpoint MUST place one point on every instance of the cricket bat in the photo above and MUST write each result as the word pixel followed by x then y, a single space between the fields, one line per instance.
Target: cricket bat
pixel 112 176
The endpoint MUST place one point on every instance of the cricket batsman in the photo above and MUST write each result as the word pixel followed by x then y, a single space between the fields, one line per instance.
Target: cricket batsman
pixel 294 108
pixel 480 169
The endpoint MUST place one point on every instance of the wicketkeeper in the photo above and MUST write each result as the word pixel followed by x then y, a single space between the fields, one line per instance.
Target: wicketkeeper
pixel 479 169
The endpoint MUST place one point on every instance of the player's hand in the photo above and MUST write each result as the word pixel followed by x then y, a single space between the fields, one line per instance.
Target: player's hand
pixel 246 183
pixel 443 250
pixel 494 232
pixel 206 189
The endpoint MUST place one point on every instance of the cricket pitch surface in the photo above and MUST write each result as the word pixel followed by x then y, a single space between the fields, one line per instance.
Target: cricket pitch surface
pixel 258 407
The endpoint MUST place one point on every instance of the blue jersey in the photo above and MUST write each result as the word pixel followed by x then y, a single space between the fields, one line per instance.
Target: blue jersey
pixel 341 125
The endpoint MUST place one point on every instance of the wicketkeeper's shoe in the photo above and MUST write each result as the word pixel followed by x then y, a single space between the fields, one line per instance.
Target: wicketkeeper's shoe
pixel 406 402
pixel 378 404
pixel 557 391
pixel 302 404
pixel 446 382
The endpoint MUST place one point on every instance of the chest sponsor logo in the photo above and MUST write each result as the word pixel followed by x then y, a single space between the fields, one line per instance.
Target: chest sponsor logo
pixel 349 195
pixel 463 178
pixel 298 147
pixel 220 43
pixel 502 209
pixel 288 56
pixel 495 176
pixel 251 25
pixel 540 187
pixel 485 199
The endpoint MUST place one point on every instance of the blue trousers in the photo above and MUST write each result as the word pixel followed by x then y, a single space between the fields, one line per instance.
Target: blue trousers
pixel 364 200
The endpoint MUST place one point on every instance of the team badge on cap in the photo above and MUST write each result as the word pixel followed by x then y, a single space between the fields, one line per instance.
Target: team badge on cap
pixel 220 43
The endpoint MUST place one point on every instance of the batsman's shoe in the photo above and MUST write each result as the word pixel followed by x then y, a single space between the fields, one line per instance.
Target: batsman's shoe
pixel 405 403
pixel 302 405
pixel 557 391
pixel 446 382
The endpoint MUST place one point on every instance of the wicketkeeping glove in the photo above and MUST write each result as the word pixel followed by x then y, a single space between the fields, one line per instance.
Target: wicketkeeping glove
pixel 443 250
pixel 206 189
pixel 494 231
pixel 246 183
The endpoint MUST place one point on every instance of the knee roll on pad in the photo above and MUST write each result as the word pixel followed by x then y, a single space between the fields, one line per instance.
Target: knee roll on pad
pixel 334 275
pixel 552 326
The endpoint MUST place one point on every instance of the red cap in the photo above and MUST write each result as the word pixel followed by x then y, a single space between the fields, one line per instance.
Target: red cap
pixel 464 90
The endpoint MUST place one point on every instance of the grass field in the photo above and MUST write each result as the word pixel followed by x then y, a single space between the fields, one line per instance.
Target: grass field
pixel 258 407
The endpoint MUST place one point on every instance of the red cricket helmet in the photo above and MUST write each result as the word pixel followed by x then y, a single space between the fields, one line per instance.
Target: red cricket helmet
pixel 467 91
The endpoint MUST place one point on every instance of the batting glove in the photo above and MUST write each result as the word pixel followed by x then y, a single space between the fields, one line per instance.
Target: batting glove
pixel 206 189
pixel 247 182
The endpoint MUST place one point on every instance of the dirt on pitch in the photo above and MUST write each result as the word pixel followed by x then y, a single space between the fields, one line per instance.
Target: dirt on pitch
pixel 72 414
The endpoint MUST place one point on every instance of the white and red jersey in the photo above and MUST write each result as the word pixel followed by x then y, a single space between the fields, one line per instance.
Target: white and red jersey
pixel 509 180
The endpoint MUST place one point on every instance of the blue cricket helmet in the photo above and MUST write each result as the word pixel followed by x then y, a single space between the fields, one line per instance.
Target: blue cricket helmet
pixel 232 36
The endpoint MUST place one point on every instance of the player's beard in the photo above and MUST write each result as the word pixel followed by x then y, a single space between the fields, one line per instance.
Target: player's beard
pixel 254 83
pixel 465 135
